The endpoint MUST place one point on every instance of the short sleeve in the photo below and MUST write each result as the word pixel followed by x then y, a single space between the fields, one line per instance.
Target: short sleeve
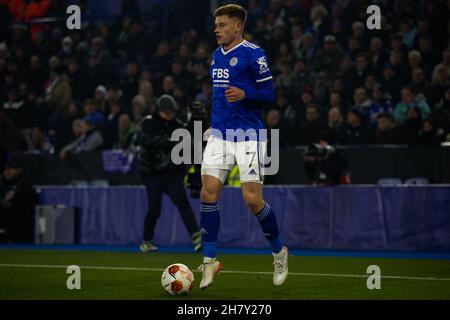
pixel 260 66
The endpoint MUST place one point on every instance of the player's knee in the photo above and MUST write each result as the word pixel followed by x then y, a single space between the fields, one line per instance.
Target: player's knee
pixel 253 202
pixel 208 195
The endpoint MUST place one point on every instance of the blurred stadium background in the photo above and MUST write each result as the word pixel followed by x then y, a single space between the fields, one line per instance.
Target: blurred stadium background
pixel 381 98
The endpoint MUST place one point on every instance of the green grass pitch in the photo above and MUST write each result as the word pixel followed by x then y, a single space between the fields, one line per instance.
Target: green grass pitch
pixel 41 274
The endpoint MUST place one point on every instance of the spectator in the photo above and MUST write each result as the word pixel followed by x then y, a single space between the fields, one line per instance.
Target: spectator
pixel 38 141
pixel 391 82
pixel 442 110
pixel 273 122
pixel 381 102
pixel 288 115
pixel 161 60
pixel 430 135
pixel 205 95
pixel 356 132
pixel 10 138
pixel 308 50
pixel 58 93
pixel 321 90
pixel 335 101
pixel 358 74
pixel 285 80
pixel 387 132
pixel 439 80
pixel 126 137
pixel 76 79
pixel 377 56
pixel 420 85
pixel 427 52
pixel 363 104
pixel 303 77
pixel 336 127
pixel 129 83
pixel 138 108
pixel 312 129
pixel 146 90
pixel 328 59
pixel 37 75
pixel 415 61
pixel 91 113
pixel 412 126
pixel 100 99
pixel 283 57
pixel 409 101
pixel 90 139
pixel 168 85
pixel 408 31
pixel 306 99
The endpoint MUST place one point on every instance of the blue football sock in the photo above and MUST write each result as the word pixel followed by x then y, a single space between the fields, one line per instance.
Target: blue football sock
pixel 267 220
pixel 210 222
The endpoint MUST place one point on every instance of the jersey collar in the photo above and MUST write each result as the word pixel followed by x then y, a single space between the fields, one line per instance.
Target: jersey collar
pixel 235 47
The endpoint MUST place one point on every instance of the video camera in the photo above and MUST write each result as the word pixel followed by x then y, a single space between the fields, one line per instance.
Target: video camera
pixel 198 111
pixel 319 151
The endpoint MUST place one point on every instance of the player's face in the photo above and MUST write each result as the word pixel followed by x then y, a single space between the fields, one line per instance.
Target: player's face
pixel 227 29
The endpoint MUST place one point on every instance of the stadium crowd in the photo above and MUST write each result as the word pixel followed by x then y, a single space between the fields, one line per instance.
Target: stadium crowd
pixel 70 91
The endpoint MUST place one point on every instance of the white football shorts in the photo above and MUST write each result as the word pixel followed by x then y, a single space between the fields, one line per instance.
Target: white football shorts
pixel 220 156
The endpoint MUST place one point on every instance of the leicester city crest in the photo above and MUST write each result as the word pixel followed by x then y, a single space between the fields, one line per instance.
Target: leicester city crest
pixel 233 61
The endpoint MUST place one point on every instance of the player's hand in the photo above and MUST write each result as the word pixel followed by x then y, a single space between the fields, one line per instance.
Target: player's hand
pixel 234 94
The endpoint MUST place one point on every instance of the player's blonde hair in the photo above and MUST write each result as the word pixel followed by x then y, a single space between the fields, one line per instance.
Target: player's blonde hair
pixel 232 10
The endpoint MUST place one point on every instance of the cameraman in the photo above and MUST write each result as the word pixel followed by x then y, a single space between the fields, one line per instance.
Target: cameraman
pixel 160 174
pixel 325 165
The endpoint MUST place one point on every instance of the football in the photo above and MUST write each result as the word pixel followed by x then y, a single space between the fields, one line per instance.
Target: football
pixel 177 279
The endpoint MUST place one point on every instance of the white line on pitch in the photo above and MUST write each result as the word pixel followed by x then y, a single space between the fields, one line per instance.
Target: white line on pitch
pixel 51 266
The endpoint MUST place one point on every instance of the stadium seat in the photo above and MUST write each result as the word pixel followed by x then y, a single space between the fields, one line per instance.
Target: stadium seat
pixel 99 183
pixel 419 181
pixel 389 182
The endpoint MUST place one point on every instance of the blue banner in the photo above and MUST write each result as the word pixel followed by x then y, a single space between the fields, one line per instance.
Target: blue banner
pixel 117 161
pixel 346 217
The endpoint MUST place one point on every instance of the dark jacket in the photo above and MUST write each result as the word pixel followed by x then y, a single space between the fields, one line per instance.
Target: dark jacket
pixel 155 146
pixel 17 203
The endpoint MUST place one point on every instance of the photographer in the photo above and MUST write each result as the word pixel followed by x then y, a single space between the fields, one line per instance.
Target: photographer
pixel 160 174
pixel 325 165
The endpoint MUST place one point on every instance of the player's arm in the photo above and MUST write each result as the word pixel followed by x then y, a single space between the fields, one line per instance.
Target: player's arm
pixel 263 90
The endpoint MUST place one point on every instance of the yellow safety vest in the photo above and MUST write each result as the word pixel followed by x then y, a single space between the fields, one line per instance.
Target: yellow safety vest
pixel 234 178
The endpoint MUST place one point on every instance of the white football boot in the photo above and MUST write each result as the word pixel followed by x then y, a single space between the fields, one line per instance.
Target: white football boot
pixel 280 262
pixel 210 267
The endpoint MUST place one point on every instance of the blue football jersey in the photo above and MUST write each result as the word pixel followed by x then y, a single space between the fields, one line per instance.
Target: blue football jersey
pixel 244 66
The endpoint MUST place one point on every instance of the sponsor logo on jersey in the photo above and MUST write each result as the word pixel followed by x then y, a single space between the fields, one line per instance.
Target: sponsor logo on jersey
pixel 263 65
pixel 233 61
pixel 218 73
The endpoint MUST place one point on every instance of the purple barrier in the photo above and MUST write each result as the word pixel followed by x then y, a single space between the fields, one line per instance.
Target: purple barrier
pixel 347 217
